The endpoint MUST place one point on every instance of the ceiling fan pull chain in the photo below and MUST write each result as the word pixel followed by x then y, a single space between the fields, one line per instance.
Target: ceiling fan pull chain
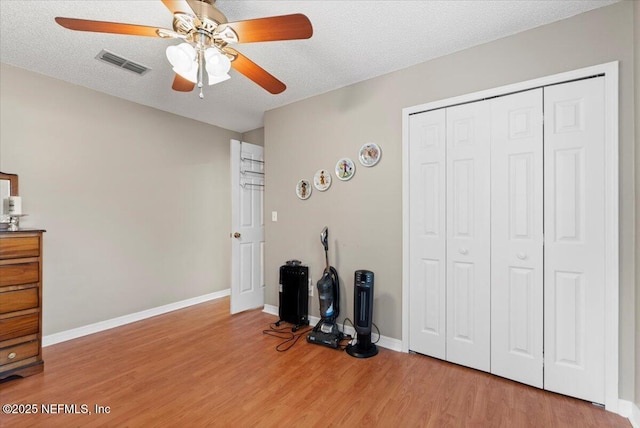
pixel 200 67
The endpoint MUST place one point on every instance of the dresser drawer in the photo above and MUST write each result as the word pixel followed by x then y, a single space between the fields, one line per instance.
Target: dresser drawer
pixel 19 300
pixel 18 326
pixel 19 273
pixel 18 352
pixel 17 247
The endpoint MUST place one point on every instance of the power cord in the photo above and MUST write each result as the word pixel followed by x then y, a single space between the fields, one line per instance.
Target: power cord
pixel 351 338
pixel 290 338
pixel 350 322
pixel 378 330
pixel 354 327
pixel 285 333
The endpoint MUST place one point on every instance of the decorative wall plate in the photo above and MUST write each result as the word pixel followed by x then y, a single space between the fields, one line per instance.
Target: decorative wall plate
pixel 369 154
pixel 322 180
pixel 303 189
pixel 345 168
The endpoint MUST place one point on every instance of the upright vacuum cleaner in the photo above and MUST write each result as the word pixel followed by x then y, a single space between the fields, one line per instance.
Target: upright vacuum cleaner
pixel 326 331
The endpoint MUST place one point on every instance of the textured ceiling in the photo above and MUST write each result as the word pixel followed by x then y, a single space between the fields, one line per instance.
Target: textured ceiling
pixel 352 41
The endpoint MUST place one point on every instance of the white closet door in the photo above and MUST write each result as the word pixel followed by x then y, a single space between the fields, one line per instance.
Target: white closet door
pixel 427 268
pixel 468 235
pixel 574 239
pixel 516 237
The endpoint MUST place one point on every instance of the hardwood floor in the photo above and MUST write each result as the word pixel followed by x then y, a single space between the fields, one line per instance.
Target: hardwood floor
pixel 201 366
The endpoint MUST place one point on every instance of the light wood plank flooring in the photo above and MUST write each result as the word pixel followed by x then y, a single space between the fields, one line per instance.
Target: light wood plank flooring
pixel 201 366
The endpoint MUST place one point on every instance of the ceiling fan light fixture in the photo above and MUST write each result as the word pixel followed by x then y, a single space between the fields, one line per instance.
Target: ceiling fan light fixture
pixel 228 35
pixel 182 58
pixel 218 64
pixel 217 79
pixel 191 75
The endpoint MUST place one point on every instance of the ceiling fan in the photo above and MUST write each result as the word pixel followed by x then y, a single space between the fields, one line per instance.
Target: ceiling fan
pixel 206 36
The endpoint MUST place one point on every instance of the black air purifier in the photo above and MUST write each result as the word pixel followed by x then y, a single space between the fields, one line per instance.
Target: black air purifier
pixel 293 300
pixel 363 315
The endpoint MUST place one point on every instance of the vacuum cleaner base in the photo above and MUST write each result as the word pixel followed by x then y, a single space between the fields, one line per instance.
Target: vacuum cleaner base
pixel 331 340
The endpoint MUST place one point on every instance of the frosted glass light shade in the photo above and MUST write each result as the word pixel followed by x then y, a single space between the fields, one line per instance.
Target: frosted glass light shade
pixel 217 79
pixel 218 64
pixel 191 75
pixel 183 60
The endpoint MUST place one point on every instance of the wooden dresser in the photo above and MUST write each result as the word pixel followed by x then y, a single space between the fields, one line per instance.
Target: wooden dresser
pixel 20 303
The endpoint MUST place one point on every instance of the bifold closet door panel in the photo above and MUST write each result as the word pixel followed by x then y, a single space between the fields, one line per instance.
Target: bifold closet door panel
pixel 468 234
pixel 574 239
pixel 427 267
pixel 517 237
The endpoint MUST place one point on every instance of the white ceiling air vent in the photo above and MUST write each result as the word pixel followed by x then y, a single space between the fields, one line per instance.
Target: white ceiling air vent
pixel 113 59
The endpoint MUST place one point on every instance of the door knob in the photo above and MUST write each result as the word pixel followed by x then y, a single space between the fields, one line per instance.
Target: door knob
pixel 463 251
pixel 236 235
pixel 522 256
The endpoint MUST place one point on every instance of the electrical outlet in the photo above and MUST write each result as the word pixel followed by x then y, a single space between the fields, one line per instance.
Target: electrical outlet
pixel 310 288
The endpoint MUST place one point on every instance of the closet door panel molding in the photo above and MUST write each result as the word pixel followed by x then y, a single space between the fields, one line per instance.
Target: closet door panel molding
pixel 517 237
pixel 468 236
pixel 427 224
pixel 575 239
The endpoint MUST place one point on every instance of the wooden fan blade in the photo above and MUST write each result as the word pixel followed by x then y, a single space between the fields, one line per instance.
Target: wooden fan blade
pixel 203 10
pixel 108 27
pixel 253 71
pixel 176 6
pixel 182 85
pixel 181 6
pixel 285 27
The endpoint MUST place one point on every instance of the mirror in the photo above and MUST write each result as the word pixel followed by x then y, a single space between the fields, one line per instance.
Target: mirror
pixel 8 187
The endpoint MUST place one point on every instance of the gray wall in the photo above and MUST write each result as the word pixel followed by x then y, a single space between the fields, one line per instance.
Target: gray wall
pixel 254 137
pixel 135 200
pixel 364 215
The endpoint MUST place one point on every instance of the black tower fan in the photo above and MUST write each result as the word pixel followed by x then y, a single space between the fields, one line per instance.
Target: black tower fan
pixel 363 314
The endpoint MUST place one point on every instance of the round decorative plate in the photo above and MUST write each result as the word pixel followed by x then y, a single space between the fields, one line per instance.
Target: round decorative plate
pixel 322 180
pixel 303 189
pixel 345 168
pixel 369 154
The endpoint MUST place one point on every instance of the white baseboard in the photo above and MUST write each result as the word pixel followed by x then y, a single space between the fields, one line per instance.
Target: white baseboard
pixel 74 333
pixel 384 341
pixel 629 410
pixel 271 310
pixel 634 413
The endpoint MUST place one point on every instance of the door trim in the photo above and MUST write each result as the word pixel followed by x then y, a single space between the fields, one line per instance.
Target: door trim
pixel 610 73
pixel 236 271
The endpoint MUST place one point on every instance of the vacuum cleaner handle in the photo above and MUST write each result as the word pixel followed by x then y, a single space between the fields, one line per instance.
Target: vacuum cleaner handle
pixel 324 238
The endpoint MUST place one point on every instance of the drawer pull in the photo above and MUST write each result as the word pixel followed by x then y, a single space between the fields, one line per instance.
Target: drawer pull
pixel 12 355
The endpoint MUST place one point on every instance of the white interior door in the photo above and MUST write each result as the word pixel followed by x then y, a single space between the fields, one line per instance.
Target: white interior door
pixel 427 271
pixel 517 237
pixel 247 221
pixel 574 212
pixel 468 235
